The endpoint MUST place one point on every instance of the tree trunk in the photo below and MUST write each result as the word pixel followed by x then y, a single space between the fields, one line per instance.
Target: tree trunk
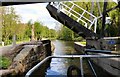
pixel 91 11
pixel 0 24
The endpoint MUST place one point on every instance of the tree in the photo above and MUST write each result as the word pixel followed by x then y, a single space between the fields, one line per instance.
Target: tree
pixel 10 23
pixel 0 24
pixel 65 33
pixel 28 29
pixel 38 30
pixel 52 33
pixel 111 29
pixel 21 35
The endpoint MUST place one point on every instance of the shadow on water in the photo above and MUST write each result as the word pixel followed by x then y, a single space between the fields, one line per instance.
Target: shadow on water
pixel 40 72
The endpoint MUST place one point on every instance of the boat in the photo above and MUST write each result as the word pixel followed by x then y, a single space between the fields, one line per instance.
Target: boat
pixel 104 51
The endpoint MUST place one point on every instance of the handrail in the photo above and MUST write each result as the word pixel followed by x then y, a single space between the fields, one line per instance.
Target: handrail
pixel 80 17
pixel 84 10
pixel 70 56
pixel 76 12
pixel 101 51
pixel 76 17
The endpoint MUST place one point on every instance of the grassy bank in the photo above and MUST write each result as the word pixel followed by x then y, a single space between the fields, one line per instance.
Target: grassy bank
pixel 19 42
pixel 83 42
pixel 4 62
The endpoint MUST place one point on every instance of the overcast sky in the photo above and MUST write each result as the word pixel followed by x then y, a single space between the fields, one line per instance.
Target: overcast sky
pixel 35 12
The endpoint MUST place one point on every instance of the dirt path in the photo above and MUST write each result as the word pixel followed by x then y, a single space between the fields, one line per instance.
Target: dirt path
pixel 4 50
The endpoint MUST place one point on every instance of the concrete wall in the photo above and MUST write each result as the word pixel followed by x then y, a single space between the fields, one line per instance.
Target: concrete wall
pixel 111 65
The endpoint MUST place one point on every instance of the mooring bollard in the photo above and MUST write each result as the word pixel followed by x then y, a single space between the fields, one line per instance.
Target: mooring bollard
pixel 3 44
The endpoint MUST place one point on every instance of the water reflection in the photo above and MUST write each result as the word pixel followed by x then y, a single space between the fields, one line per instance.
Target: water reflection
pixel 59 66
pixel 63 47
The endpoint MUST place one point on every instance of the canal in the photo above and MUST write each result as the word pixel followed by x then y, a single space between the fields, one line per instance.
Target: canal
pixel 59 66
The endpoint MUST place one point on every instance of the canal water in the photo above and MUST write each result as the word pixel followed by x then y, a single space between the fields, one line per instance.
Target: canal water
pixel 59 66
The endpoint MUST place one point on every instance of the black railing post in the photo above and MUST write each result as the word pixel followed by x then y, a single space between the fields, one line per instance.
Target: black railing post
pixel 119 19
pixel 104 19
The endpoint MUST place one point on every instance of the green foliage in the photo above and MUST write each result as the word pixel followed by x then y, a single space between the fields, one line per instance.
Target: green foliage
pixel 83 42
pixel 28 29
pixel 38 29
pixel 7 42
pixel 66 34
pixel 52 33
pixel 113 29
pixel 4 62
pixel 110 29
pixel 41 31
pixel 10 24
pixel 78 39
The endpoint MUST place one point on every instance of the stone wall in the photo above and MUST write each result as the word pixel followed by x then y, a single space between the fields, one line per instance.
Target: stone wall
pixel 25 55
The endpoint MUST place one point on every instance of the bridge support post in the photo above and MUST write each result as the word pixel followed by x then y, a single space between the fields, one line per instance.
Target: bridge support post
pixel 119 19
pixel 103 19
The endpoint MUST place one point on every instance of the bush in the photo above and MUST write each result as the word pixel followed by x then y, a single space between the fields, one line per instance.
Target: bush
pixel 78 39
pixel 84 43
pixel 4 62
pixel 8 42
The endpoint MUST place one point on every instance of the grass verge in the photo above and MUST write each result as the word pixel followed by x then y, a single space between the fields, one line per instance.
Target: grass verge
pixel 83 42
pixel 4 62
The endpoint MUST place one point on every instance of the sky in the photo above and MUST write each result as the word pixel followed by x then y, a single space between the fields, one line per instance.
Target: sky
pixel 36 12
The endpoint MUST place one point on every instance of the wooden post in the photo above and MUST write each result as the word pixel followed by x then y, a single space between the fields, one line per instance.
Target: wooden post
pixel 14 40
pixel 33 35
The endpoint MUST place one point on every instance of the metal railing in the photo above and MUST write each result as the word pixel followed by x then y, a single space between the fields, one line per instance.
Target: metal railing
pixel 29 73
pixel 69 10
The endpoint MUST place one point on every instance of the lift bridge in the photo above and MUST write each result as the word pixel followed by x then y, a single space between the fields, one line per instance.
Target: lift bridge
pixel 74 20
pixel 79 23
